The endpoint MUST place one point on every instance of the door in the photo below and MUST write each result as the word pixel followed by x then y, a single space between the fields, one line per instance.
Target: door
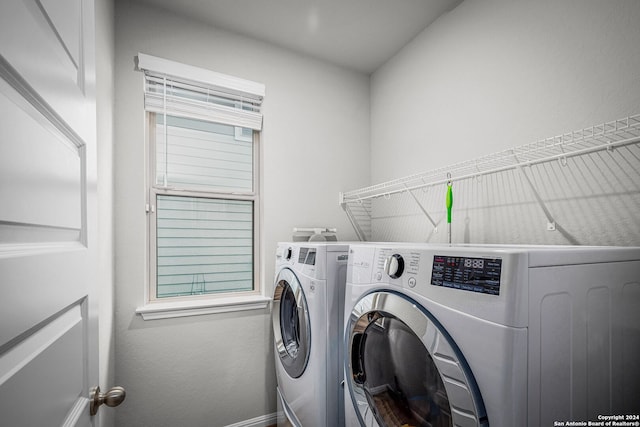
pixel 48 310
pixel 291 326
pixel 404 369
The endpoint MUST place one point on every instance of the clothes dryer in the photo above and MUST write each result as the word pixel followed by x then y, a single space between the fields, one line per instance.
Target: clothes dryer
pixel 496 336
pixel 307 315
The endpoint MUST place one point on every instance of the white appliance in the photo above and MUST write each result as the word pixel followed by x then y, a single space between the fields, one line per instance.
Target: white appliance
pixel 308 307
pixel 491 335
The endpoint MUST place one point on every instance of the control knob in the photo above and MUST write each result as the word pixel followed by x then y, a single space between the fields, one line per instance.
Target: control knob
pixel 394 266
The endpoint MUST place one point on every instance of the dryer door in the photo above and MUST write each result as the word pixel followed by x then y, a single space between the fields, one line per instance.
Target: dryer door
pixel 291 326
pixel 403 368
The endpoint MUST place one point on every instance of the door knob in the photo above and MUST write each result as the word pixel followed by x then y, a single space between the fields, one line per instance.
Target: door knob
pixel 111 398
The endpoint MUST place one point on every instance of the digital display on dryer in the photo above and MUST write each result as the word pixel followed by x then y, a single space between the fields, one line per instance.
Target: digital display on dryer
pixel 469 274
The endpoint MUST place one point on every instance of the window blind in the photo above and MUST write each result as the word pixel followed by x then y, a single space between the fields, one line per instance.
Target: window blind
pixel 187 91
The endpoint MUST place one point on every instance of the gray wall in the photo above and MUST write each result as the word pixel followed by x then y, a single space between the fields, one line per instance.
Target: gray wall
pixel 491 75
pixel 216 370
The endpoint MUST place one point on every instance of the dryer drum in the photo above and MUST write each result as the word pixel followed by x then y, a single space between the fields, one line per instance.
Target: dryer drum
pixel 357 358
pixel 397 358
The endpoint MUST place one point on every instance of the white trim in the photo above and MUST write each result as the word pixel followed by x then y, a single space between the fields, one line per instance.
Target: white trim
pixel 166 310
pixel 261 421
pixel 237 85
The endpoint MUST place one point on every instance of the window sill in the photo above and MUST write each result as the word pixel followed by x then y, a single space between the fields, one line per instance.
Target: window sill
pixel 167 310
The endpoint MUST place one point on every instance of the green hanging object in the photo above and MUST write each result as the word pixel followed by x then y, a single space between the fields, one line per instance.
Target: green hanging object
pixel 449 206
pixel 449 202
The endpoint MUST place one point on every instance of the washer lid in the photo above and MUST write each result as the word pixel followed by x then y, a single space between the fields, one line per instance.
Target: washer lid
pixel 291 325
pixel 405 369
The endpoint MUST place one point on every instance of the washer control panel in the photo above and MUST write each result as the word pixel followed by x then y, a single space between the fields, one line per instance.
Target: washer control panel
pixel 470 274
pixel 418 268
pixel 392 264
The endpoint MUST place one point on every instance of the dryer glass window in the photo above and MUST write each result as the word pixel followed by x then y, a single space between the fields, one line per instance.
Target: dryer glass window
pixel 291 330
pixel 290 322
pixel 400 380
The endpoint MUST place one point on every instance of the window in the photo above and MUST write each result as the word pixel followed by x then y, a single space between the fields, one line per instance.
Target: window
pixel 203 132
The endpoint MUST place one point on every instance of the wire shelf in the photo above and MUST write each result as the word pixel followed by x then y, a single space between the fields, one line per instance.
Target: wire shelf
pixel 605 136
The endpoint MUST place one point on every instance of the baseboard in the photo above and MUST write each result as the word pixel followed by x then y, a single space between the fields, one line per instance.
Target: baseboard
pixel 261 421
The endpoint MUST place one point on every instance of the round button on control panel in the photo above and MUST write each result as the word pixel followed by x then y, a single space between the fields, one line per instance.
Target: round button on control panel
pixel 394 266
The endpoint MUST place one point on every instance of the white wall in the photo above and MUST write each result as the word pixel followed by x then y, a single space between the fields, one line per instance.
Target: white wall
pixel 491 75
pixel 219 369
pixel 104 104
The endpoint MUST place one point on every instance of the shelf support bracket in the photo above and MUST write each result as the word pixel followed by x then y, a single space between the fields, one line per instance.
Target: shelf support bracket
pixel 352 219
pixel 551 222
pixel 424 211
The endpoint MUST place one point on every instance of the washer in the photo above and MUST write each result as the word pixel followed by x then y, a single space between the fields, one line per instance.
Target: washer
pixel 308 307
pixel 491 335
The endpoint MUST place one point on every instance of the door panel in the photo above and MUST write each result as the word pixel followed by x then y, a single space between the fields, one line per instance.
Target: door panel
pixel 30 379
pixel 39 44
pixel 66 22
pixel 51 179
pixel 48 268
